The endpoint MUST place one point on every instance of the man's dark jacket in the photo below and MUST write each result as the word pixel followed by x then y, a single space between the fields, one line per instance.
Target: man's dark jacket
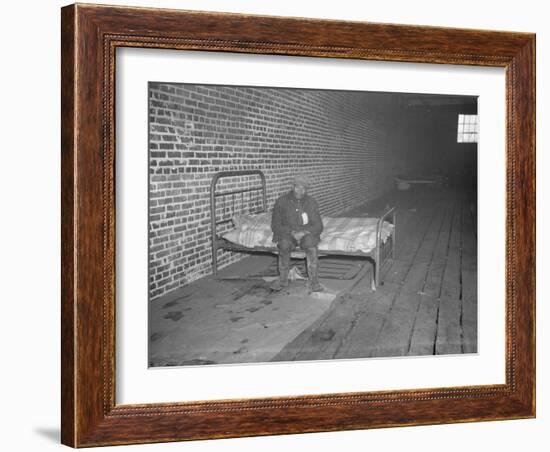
pixel 287 217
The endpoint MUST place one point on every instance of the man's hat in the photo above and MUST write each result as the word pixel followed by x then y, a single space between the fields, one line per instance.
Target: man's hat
pixel 301 179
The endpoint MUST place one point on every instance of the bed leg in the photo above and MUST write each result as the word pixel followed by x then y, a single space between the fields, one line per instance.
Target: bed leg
pixel 373 279
pixel 393 237
pixel 214 258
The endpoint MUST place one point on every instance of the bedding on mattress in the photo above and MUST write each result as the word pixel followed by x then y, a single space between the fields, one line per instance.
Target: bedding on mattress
pixel 339 234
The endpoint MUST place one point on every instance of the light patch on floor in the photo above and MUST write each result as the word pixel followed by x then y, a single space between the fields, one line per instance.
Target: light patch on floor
pixel 225 322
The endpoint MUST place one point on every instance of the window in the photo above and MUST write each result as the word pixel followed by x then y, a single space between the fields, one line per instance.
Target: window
pixel 467 128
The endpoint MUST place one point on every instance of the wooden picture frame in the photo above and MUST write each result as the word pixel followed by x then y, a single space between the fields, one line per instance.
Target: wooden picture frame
pixel 90 36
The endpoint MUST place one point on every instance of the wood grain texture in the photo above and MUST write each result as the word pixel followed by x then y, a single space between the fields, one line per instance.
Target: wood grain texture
pixel 68 244
pixel 90 36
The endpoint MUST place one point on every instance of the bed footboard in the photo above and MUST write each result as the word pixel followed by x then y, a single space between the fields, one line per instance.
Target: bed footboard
pixel 385 251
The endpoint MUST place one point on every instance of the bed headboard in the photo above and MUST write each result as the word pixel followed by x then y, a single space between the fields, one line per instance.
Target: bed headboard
pixel 230 198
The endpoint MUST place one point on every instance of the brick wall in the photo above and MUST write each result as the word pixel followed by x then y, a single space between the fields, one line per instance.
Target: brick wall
pixel 339 138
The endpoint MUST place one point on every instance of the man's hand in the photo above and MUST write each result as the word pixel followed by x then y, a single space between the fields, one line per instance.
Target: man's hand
pixel 298 235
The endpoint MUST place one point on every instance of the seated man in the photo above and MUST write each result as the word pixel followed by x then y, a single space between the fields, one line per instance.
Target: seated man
pixel 296 221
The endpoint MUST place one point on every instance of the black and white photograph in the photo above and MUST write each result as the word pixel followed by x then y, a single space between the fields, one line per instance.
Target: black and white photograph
pixel 292 224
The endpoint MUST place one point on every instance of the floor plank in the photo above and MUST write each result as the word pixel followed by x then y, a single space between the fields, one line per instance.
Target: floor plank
pixel 469 318
pixel 424 330
pixel 469 326
pixel 448 339
pixel 361 339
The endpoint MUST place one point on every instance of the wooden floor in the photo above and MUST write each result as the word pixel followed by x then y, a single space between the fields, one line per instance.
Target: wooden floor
pixel 428 302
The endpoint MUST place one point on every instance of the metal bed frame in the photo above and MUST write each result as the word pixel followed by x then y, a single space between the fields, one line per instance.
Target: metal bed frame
pixel 383 253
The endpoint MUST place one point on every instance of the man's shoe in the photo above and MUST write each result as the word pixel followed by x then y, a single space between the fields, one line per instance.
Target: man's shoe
pixel 278 285
pixel 282 282
pixel 316 287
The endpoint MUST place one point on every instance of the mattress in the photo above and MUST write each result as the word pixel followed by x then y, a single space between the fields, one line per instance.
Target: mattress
pixel 339 234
